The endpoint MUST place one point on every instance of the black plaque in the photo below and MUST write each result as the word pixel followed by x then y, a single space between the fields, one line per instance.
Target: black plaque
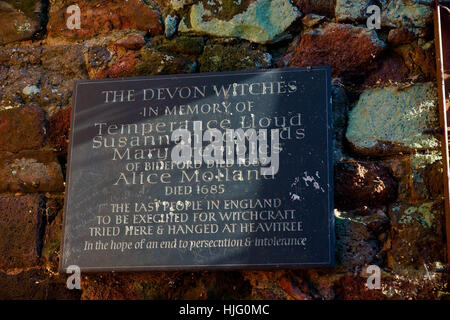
pixel 129 206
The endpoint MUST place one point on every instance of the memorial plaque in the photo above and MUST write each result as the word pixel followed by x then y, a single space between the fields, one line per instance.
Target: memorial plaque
pixel 201 171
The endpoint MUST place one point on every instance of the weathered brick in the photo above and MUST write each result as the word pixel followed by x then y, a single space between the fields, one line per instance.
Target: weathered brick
pixel 401 36
pixel 53 234
pixel 392 71
pixel 133 41
pixel 420 59
pixel 323 7
pixel 356 243
pixel 100 17
pixel 363 183
pixel 358 291
pixel 167 285
pixel 35 285
pixel 20 20
pixel 21 230
pixel 31 73
pixel 143 62
pixel 216 58
pixel 22 128
pixel 417 236
pixel 30 171
pixel 389 120
pixel 419 176
pixel 349 50
pixel 58 130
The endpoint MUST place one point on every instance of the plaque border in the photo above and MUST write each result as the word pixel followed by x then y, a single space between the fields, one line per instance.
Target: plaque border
pixel 225 267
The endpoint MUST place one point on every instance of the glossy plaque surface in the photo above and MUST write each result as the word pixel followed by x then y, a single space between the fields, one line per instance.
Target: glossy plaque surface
pixel 265 200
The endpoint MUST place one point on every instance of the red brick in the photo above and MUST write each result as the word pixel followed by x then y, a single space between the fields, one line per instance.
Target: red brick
pixel 59 129
pixel 392 70
pixel 133 41
pixel 21 230
pixel 349 50
pixel 17 25
pixel 360 183
pixel 101 17
pixel 401 36
pixel 22 128
pixel 35 284
pixel 322 7
pixel 30 171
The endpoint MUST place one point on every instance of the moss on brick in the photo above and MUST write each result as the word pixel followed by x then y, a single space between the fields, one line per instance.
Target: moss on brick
pixel 189 46
pixel 218 57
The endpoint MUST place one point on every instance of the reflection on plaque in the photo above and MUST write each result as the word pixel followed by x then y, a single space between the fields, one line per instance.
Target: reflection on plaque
pixel 201 171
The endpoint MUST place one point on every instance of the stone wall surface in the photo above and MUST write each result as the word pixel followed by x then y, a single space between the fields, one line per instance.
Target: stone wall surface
pixel 388 173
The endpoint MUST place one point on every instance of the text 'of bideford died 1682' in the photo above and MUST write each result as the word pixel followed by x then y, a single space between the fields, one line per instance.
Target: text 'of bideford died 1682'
pixel 202 171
